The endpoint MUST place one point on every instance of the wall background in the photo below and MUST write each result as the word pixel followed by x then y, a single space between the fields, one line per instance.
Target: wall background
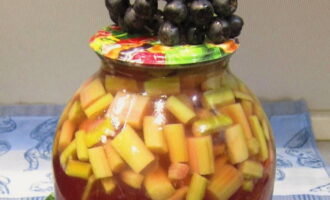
pixel 44 54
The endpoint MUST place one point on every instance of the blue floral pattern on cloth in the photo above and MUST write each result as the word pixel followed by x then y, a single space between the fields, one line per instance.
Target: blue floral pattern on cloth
pixel 7 125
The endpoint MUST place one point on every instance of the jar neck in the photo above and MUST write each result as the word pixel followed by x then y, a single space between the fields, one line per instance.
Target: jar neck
pixel 145 72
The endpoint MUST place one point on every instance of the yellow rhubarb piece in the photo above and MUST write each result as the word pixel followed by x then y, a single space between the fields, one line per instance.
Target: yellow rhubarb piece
pixel 225 183
pixel 104 128
pixel 99 106
pixel 211 125
pixel 236 144
pixel 236 112
pixel 179 194
pixel 68 153
pixel 82 150
pixel 251 169
pixel 91 92
pixel 178 171
pixel 115 161
pixel 265 128
pixel 78 169
pixel 158 186
pixel 258 133
pixel 153 135
pixel 67 133
pixel 109 185
pixel 248 185
pixel 88 187
pixel 180 110
pixel 162 86
pixel 132 178
pixel 76 113
pixel 197 187
pixel 242 96
pixel 115 84
pixel 218 97
pixel 201 158
pixel 99 162
pixel 247 107
pixel 253 146
pixel 132 149
pixel 128 108
pixel 176 142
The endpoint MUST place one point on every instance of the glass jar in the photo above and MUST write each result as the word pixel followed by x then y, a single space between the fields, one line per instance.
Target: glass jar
pixel 135 131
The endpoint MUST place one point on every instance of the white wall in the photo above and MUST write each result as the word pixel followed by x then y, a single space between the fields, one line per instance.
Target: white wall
pixel 44 53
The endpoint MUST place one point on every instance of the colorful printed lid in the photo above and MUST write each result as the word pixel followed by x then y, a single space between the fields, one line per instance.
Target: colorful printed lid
pixel 115 44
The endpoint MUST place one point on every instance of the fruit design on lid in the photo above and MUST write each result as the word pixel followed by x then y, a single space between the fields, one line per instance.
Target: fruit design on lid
pixel 180 21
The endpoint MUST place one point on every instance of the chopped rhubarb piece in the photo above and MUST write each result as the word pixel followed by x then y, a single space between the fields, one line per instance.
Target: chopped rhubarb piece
pixel 230 81
pixel 179 194
pixel 257 110
pixel 253 146
pixel 225 183
pixel 109 185
pixel 88 187
pixel 91 92
pixel 68 153
pixel 219 162
pixel 78 169
pixel 219 149
pixel 258 133
pixel 186 100
pixel 251 169
pixel 248 185
pixel 128 108
pixel 180 110
pixel 236 144
pixel 158 186
pixel 265 128
pixel 212 83
pixel 132 149
pixel 197 187
pixel 236 112
pixel 211 125
pixel 115 84
pixel 247 107
pixel 218 97
pixel 99 106
pixel 82 151
pixel 176 142
pixel 242 96
pixel 90 124
pixel 102 129
pixel 178 171
pixel 162 86
pixel 153 135
pixel 76 113
pixel 201 158
pixel 66 135
pixel 99 162
pixel 115 161
pixel 132 178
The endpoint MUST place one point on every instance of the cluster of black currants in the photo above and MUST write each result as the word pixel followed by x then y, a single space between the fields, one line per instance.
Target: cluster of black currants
pixel 181 21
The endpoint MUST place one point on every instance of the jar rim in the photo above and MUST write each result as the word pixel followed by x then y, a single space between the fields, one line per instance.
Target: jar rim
pixel 113 45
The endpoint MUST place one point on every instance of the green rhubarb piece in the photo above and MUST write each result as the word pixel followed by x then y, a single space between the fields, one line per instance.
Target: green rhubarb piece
pixel 219 97
pixel 265 128
pixel 251 169
pixel 197 187
pixel 258 133
pixel 162 86
pixel 211 125
pixel 242 96
pixel 213 82
pixel 248 185
pixel 253 146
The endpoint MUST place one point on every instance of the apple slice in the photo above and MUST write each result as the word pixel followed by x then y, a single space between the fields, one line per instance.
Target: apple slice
pixel 132 149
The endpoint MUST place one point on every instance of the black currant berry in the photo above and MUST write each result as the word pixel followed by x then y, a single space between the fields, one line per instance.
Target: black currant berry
pixel 201 12
pixel 236 25
pixel 113 17
pixel 154 24
pixel 224 8
pixel 219 31
pixel 117 7
pixel 175 11
pixel 133 22
pixel 195 35
pixel 169 34
pixel 145 8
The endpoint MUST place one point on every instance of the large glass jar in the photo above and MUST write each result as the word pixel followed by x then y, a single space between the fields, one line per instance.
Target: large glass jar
pixel 144 132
